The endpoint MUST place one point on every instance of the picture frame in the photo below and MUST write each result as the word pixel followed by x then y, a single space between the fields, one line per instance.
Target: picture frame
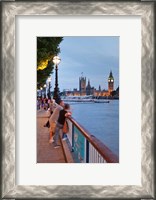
pixel 9 189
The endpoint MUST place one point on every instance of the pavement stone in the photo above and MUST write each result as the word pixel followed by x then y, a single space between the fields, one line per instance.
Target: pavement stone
pixel 46 153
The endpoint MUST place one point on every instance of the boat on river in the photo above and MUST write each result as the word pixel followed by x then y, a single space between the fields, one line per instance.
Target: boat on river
pixel 100 101
pixel 84 99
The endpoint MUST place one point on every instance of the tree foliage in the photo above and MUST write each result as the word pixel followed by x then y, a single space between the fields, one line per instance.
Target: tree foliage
pixel 47 48
pixel 115 92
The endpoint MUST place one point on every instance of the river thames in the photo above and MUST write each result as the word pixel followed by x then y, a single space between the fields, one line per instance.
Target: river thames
pixel 101 120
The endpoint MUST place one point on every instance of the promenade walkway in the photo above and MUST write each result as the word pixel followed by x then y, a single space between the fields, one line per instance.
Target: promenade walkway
pixel 46 153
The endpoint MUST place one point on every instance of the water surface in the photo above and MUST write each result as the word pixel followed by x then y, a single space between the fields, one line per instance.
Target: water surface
pixel 101 120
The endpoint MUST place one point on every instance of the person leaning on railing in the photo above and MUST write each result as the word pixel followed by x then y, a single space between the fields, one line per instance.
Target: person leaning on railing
pixel 52 105
pixel 59 126
pixel 54 118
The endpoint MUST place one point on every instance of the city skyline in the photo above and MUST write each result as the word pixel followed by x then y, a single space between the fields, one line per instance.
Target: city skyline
pixel 88 80
pixel 93 56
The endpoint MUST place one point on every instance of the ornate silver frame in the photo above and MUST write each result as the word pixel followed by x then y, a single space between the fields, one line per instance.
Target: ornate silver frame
pixel 9 12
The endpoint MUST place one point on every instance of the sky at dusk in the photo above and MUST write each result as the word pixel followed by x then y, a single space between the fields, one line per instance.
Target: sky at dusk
pixel 93 56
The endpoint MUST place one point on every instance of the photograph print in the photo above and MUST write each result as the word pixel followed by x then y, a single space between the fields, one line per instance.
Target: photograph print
pixel 77 107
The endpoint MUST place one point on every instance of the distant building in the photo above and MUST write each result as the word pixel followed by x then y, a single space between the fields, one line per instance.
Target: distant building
pixel 110 82
pixel 89 90
pixel 106 93
pixel 82 85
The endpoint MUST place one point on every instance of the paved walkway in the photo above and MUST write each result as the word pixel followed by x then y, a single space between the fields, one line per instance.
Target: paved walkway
pixel 45 151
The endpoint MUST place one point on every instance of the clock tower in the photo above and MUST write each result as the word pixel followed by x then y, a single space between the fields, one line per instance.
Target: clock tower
pixel 82 85
pixel 110 82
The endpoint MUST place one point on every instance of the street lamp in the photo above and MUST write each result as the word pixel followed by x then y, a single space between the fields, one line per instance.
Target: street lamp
pixel 48 94
pixel 56 61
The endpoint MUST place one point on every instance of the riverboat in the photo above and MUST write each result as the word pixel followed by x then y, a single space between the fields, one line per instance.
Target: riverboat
pixel 84 99
pixel 100 101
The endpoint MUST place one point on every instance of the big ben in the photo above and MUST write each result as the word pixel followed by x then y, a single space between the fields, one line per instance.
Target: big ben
pixel 110 82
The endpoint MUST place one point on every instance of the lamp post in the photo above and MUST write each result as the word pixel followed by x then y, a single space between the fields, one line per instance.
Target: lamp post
pixel 56 61
pixel 41 91
pixel 44 90
pixel 48 94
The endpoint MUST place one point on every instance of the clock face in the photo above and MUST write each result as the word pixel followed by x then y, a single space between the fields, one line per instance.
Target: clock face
pixel 111 80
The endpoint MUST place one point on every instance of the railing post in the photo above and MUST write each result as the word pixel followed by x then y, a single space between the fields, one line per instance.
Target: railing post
pixel 72 137
pixel 87 151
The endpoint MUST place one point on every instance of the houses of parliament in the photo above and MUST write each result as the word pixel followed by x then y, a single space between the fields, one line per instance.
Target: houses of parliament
pixel 87 89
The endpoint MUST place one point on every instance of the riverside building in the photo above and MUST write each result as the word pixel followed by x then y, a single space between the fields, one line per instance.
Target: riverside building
pixel 86 88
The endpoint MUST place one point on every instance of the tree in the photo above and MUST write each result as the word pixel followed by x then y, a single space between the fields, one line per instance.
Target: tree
pixel 47 48
pixel 115 92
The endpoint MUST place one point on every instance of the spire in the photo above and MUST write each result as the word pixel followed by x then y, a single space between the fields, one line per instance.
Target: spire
pixel 88 85
pixel 111 74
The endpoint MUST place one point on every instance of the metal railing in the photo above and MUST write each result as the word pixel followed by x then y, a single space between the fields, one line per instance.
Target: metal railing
pixel 86 147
